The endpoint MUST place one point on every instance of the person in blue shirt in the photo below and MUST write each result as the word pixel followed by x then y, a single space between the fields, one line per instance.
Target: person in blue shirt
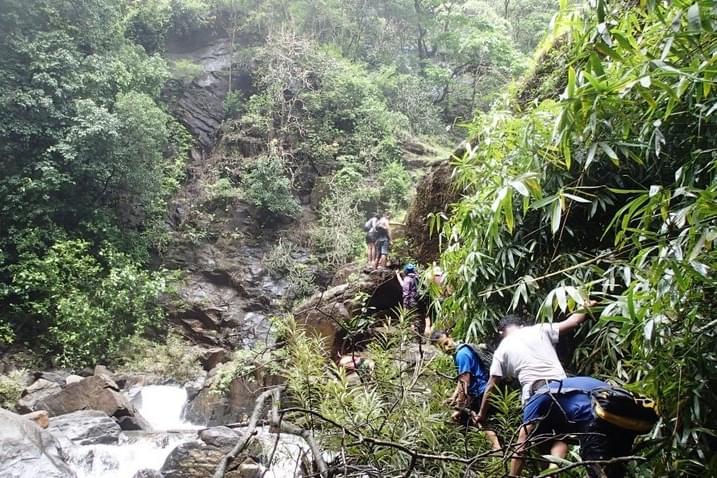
pixel 470 382
pixel 564 407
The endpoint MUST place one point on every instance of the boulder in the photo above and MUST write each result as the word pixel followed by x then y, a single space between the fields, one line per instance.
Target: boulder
pixel 57 376
pixel 192 459
pixel 41 417
pixel 248 469
pixel 197 459
pixel 220 437
pixel 434 194
pixel 73 379
pixel 133 422
pixel 36 393
pixel 213 409
pixel 212 357
pixel 322 313
pixel 87 427
pixel 26 450
pixel 91 393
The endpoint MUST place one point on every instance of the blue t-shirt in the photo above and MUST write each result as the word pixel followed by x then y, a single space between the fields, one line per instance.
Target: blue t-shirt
pixel 576 404
pixel 467 361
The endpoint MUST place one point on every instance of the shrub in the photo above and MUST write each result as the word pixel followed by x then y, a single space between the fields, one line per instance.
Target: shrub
pixel 268 188
pixel 176 358
pixel 11 386
pixel 80 304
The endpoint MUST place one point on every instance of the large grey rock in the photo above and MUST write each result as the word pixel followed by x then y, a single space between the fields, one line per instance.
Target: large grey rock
pixel 36 393
pixel 28 451
pixel 220 437
pixel 212 409
pixel 91 393
pixel 321 314
pixel 87 427
pixel 191 460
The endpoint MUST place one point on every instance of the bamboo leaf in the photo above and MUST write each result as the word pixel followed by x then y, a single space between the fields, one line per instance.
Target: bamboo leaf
pixel 555 217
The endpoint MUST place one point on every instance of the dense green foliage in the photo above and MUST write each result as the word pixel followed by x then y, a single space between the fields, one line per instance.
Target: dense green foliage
pixel 87 169
pixel 610 193
pixel 397 406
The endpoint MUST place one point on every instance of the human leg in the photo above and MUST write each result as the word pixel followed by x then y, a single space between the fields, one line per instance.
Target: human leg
pixel 516 463
pixel 603 441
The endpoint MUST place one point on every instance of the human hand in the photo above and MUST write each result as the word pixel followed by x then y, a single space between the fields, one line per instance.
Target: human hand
pixel 478 418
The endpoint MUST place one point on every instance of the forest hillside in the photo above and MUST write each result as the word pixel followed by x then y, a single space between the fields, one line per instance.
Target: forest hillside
pixel 182 203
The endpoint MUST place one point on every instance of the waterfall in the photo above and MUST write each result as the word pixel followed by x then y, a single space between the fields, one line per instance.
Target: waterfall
pixel 135 451
pixel 162 407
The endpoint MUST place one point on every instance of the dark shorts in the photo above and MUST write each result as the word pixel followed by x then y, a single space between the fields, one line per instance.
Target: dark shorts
pixel 370 237
pixel 602 441
pixel 382 246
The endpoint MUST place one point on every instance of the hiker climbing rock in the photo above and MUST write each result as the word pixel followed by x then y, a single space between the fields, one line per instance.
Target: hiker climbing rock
pixel 528 353
pixel 470 382
pixel 370 229
pixel 591 409
pixel 383 240
pixel 410 297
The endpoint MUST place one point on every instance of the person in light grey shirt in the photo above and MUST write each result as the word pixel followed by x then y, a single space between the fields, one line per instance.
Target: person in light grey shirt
pixel 528 354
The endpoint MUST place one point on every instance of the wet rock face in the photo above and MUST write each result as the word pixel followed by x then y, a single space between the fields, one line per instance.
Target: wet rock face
pixel 87 427
pixel 201 104
pixel 26 450
pixel 212 409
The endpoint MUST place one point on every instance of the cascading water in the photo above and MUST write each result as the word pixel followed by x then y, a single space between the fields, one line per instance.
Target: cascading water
pixel 161 406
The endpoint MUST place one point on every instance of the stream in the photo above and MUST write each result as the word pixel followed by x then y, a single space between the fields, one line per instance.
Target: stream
pixel 162 406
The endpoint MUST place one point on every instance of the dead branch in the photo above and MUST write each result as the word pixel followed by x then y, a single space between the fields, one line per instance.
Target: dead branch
pixel 277 426
pixel 246 436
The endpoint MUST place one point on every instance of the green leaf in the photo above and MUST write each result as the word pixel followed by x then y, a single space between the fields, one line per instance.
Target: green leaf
pixel 607 149
pixel 555 217
pixel 693 17
pixel 577 198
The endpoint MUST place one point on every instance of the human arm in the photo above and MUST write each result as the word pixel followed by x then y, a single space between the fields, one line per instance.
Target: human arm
pixel 459 398
pixel 574 320
pixel 492 382
pixel 399 278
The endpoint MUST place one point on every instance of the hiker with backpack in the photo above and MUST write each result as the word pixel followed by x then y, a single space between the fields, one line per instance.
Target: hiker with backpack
pixel 383 241
pixel 472 366
pixel 370 228
pixel 528 354
pixel 410 298
pixel 606 420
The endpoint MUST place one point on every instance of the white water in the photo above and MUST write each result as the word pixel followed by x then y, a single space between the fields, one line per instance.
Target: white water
pixel 136 451
pixel 162 407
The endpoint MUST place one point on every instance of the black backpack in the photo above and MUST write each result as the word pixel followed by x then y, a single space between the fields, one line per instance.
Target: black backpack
pixel 624 409
pixel 485 356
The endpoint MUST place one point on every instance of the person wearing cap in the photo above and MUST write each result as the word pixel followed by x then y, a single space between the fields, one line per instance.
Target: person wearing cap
pixel 528 354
